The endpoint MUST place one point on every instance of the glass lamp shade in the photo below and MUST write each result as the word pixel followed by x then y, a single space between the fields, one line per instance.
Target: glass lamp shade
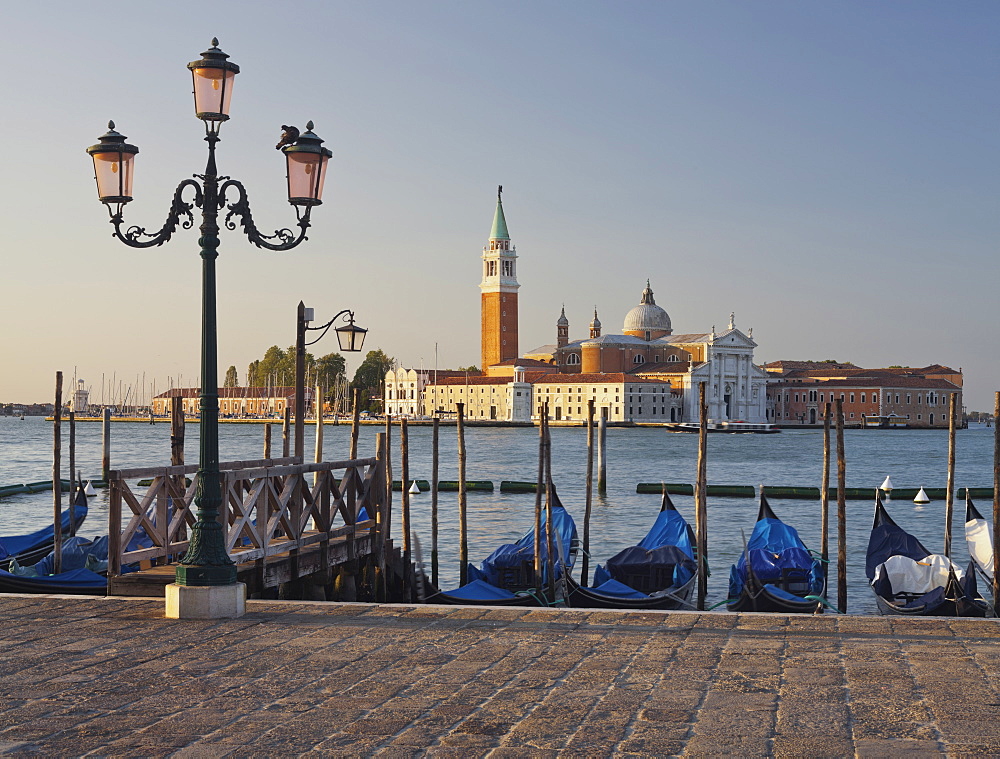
pixel 113 166
pixel 351 337
pixel 213 78
pixel 307 160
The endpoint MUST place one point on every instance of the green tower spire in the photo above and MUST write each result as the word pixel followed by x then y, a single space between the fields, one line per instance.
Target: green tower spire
pixel 499 231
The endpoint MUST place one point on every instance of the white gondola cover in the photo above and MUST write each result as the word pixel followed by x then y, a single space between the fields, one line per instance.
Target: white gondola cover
pixel 979 537
pixel 908 576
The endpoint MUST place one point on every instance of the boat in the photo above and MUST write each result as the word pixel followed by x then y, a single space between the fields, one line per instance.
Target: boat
pixel 776 572
pixel 658 573
pixel 507 576
pixel 31 547
pixel 979 538
pixel 909 580
pixel 736 426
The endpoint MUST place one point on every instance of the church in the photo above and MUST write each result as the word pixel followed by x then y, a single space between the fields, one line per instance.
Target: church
pixel 644 374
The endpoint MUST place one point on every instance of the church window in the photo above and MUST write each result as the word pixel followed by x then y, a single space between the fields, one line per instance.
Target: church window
pixel 638 359
pixel 671 358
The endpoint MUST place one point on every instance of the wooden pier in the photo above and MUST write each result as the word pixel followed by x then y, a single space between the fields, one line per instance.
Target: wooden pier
pixel 284 522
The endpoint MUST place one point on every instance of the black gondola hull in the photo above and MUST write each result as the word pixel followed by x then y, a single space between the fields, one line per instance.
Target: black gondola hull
pixel 678 598
pixel 763 600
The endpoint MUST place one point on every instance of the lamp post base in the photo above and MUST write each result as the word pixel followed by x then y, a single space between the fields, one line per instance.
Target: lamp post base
pixel 206 601
pixel 196 575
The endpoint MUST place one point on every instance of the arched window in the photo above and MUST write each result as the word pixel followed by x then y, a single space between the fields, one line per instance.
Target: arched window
pixel 572 360
pixel 672 359
pixel 638 359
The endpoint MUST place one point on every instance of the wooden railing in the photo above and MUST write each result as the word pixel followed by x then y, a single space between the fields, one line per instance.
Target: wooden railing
pixel 269 507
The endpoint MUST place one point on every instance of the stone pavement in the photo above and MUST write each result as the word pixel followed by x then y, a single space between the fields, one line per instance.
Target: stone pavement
pixel 112 677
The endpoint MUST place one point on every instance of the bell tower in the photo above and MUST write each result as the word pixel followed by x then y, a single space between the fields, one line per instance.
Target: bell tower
pixel 499 293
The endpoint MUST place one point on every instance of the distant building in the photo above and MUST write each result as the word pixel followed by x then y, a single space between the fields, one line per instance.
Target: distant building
pixel 78 403
pixel 404 388
pixel 917 397
pixel 236 401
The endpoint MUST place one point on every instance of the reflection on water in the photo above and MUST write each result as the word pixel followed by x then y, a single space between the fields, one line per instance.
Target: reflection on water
pixel 913 458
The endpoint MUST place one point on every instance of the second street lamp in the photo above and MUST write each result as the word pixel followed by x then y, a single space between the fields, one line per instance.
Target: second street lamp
pixel 351 338
pixel 207 562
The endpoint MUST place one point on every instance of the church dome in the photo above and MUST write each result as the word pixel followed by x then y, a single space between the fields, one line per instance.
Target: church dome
pixel 647 317
pixel 562 321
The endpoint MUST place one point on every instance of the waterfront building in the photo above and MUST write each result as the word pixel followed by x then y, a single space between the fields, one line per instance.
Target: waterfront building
pixel 892 396
pixel 79 402
pixel 236 401
pixel 404 388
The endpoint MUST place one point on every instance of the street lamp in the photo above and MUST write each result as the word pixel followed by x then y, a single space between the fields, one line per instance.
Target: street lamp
pixel 351 338
pixel 206 562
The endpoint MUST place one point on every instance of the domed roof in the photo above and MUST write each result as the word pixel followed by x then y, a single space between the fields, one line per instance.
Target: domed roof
pixel 647 316
pixel 562 321
pixel 597 322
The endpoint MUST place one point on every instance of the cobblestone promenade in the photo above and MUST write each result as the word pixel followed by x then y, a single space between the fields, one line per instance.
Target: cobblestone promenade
pixel 113 677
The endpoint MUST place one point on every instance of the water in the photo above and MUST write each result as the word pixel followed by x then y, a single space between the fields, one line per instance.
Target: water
pixel 913 458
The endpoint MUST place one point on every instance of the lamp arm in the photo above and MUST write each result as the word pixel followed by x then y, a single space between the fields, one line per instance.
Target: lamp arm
pixel 180 213
pixel 326 327
pixel 286 239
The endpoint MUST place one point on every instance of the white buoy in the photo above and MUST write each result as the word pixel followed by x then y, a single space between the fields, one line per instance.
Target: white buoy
pixel 887 485
pixel 921 497
pixel 414 488
pixel 89 489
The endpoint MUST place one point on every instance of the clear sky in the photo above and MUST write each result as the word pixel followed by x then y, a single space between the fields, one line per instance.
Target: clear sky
pixel 828 171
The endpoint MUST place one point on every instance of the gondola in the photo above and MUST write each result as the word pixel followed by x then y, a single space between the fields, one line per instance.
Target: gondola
pixel 909 580
pixel 979 538
pixel 30 548
pixel 658 573
pixel 507 576
pixel 776 572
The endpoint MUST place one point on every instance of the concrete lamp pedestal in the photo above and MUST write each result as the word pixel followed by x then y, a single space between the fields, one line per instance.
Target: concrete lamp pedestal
pixel 206 601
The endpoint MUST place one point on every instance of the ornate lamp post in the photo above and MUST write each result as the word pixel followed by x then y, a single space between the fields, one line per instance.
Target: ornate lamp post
pixel 207 562
pixel 351 339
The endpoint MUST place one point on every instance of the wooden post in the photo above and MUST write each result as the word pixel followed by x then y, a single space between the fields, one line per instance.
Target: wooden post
pixel 72 472
pixel 996 498
pixel 404 464
pixel 267 440
pixel 824 497
pixel 56 477
pixel 841 512
pixel 319 433
pixel 177 432
pixel 602 455
pixel 585 570
pixel 550 532
pixel 539 487
pixel 434 501
pixel 700 494
pixel 106 444
pixel 949 500
pixel 463 536
pixel 355 423
pixel 286 439
pixel 388 476
pixel 382 483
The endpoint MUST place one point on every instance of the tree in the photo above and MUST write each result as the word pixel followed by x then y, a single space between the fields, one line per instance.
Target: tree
pixel 232 380
pixel 370 376
pixel 328 368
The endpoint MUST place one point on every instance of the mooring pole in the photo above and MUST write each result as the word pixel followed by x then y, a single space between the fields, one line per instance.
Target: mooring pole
pixel 56 475
pixel 381 514
pixel 996 499
pixel 949 501
pixel 355 423
pixel 319 433
pixel 286 433
pixel 388 475
pixel 824 497
pixel 434 500
pixel 550 536
pixel 106 445
pixel 463 536
pixel 539 488
pixel 72 471
pixel 602 454
pixel 700 495
pixel 404 464
pixel 585 571
pixel 841 512
pixel 267 440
